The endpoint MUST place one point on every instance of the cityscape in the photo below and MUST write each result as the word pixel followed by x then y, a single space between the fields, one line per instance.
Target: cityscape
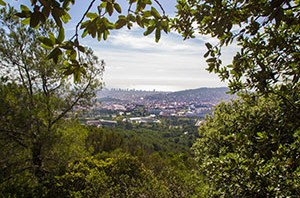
pixel 138 106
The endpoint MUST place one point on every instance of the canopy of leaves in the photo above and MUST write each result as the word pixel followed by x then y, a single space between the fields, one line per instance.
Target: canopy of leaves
pixel 35 97
pixel 266 31
pixel 250 148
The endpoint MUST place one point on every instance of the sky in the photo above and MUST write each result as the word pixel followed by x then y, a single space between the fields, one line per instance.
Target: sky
pixel 134 61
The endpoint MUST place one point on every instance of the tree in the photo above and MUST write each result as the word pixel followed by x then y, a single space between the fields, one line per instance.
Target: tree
pixel 114 175
pixel 266 31
pixel 36 96
pixel 250 148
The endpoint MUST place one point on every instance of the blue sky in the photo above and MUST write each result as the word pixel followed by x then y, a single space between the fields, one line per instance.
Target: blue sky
pixel 135 61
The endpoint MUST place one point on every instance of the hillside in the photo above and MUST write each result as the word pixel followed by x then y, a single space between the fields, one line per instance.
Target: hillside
pixel 212 95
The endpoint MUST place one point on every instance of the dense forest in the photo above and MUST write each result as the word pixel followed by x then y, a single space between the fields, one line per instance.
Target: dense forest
pixel 248 147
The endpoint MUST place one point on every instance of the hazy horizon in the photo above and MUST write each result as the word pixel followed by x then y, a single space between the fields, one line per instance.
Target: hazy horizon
pixel 137 89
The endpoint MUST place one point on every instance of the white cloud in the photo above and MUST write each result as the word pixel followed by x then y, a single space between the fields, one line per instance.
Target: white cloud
pixel 136 61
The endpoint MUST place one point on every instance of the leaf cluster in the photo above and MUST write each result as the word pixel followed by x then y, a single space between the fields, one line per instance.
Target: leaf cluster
pixel 267 32
pixel 250 148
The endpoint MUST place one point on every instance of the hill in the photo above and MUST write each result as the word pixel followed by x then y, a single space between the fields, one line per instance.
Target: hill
pixel 212 95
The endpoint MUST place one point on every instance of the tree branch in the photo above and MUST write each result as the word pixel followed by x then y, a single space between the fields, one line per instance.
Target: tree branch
pixel 73 104
pixel 82 18
pixel 161 7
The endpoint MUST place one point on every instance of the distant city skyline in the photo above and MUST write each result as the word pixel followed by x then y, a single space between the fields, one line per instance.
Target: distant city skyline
pixel 134 61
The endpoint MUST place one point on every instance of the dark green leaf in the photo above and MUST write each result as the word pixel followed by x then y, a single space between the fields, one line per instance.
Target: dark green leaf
pixel 206 54
pixel 149 30
pixel 23 14
pixel 55 54
pixel 157 34
pixel 120 23
pixel 139 21
pixel 81 48
pixel 211 60
pixel 208 45
pixel 61 35
pixel 46 41
pixel 155 13
pixel 68 72
pixel 34 19
pixel 117 8
pixel 56 14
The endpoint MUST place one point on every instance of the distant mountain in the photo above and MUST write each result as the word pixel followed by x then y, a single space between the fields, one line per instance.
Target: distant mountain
pixel 212 95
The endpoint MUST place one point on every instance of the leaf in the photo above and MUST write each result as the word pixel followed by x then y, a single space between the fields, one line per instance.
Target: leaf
pixel 81 48
pixel 120 23
pixel 46 46
pixel 66 17
pixel 56 14
pixel 24 15
pixel 92 15
pixel 139 21
pixel 149 30
pixel 147 14
pixel 68 71
pixel 165 26
pixel 206 54
pixel 46 41
pixel 157 34
pixel 52 37
pixel 85 32
pixel 82 70
pixel 118 8
pixel 61 35
pixel 105 34
pixel 130 17
pixel 155 13
pixel 76 75
pixel 26 21
pixel 109 8
pixel 55 54
pixel 34 19
pixel 72 54
pixel 2 3
pixel 211 60
pixel 24 8
pixel 208 45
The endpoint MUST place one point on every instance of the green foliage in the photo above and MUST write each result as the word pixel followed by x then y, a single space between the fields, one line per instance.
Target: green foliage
pixel 116 175
pixel 35 97
pixel 266 31
pixel 68 146
pixel 250 148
